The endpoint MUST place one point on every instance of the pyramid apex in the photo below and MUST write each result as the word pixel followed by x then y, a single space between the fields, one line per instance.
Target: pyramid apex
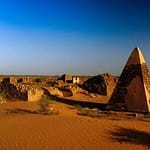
pixel 137 49
pixel 136 57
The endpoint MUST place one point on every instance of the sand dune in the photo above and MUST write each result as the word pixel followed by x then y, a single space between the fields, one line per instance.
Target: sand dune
pixel 22 129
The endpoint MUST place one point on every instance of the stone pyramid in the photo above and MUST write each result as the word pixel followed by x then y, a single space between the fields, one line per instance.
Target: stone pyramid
pixel 132 92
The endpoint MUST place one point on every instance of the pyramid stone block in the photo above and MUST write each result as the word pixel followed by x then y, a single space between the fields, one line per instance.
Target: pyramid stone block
pixel 132 92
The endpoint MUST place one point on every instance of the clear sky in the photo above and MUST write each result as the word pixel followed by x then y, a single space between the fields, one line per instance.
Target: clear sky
pixel 85 37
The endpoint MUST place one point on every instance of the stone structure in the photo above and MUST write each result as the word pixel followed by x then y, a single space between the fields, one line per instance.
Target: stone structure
pixel 53 91
pixel 11 91
pixel 14 80
pixel 102 84
pixel 75 80
pixel 132 92
pixel 24 80
pixel 26 92
pixel 67 78
pixel 35 94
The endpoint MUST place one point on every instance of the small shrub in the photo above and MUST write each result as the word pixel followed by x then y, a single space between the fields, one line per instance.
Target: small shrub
pixel 146 117
pixel 38 80
pixel 20 80
pixel 44 104
pixel 46 107
pixel 78 107
pixel 2 98
pixel 91 112
pixel 84 112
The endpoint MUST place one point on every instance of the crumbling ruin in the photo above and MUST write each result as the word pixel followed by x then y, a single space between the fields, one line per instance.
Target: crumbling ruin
pixel 20 91
pixel 102 84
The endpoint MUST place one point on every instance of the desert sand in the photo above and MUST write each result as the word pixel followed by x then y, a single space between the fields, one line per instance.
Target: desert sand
pixel 23 129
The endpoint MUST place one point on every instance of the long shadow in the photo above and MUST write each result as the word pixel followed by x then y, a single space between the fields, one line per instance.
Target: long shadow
pixel 75 102
pixel 27 111
pixel 81 103
pixel 21 111
pixel 132 136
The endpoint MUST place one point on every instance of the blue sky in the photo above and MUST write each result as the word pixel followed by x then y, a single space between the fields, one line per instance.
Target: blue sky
pixel 85 37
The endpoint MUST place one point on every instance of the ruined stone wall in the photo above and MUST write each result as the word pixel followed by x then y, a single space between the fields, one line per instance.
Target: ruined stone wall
pixel 35 94
pixel 12 92
pixel 20 91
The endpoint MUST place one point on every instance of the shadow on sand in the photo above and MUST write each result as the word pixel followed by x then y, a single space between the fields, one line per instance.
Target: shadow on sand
pixel 61 100
pixel 21 111
pixel 132 136
pixel 100 106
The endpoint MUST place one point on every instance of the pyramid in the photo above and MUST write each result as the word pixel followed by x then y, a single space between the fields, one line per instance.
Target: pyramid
pixel 132 92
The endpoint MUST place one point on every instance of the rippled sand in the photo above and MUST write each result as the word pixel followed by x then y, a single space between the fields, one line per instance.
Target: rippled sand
pixel 22 129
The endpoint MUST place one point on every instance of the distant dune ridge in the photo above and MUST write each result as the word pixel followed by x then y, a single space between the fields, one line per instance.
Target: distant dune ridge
pixel 132 92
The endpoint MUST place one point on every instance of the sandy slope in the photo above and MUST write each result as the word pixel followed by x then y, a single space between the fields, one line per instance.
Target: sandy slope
pixel 85 98
pixel 20 129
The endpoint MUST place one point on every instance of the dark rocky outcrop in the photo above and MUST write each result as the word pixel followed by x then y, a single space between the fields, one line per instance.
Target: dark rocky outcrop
pixel 102 84
pixel 11 91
